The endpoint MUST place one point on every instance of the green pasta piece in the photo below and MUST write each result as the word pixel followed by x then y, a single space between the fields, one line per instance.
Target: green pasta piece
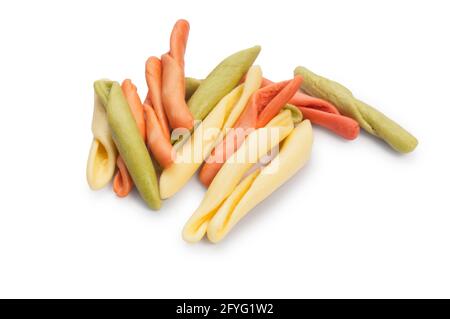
pixel 191 86
pixel 129 142
pixel 370 119
pixel 297 115
pixel 221 81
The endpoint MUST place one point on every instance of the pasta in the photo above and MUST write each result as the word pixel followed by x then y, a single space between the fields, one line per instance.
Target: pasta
pixel 258 144
pixel 294 153
pixel 370 119
pixel 221 81
pixel 103 154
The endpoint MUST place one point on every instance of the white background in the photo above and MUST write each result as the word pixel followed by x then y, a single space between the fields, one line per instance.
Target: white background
pixel 358 221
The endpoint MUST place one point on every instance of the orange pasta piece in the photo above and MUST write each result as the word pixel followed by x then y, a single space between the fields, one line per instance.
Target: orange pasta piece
pixel 324 114
pixel 153 76
pixel 305 100
pixel 341 125
pixel 122 183
pixel 160 147
pixel 173 82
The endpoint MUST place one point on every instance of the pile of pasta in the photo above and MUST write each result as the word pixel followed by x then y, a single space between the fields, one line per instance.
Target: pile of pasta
pixel 244 134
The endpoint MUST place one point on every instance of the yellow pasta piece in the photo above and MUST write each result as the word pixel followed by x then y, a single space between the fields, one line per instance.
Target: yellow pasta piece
pixel 252 83
pixel 294 153
pixel 103 154
pixel 197 148
pixel 256 145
